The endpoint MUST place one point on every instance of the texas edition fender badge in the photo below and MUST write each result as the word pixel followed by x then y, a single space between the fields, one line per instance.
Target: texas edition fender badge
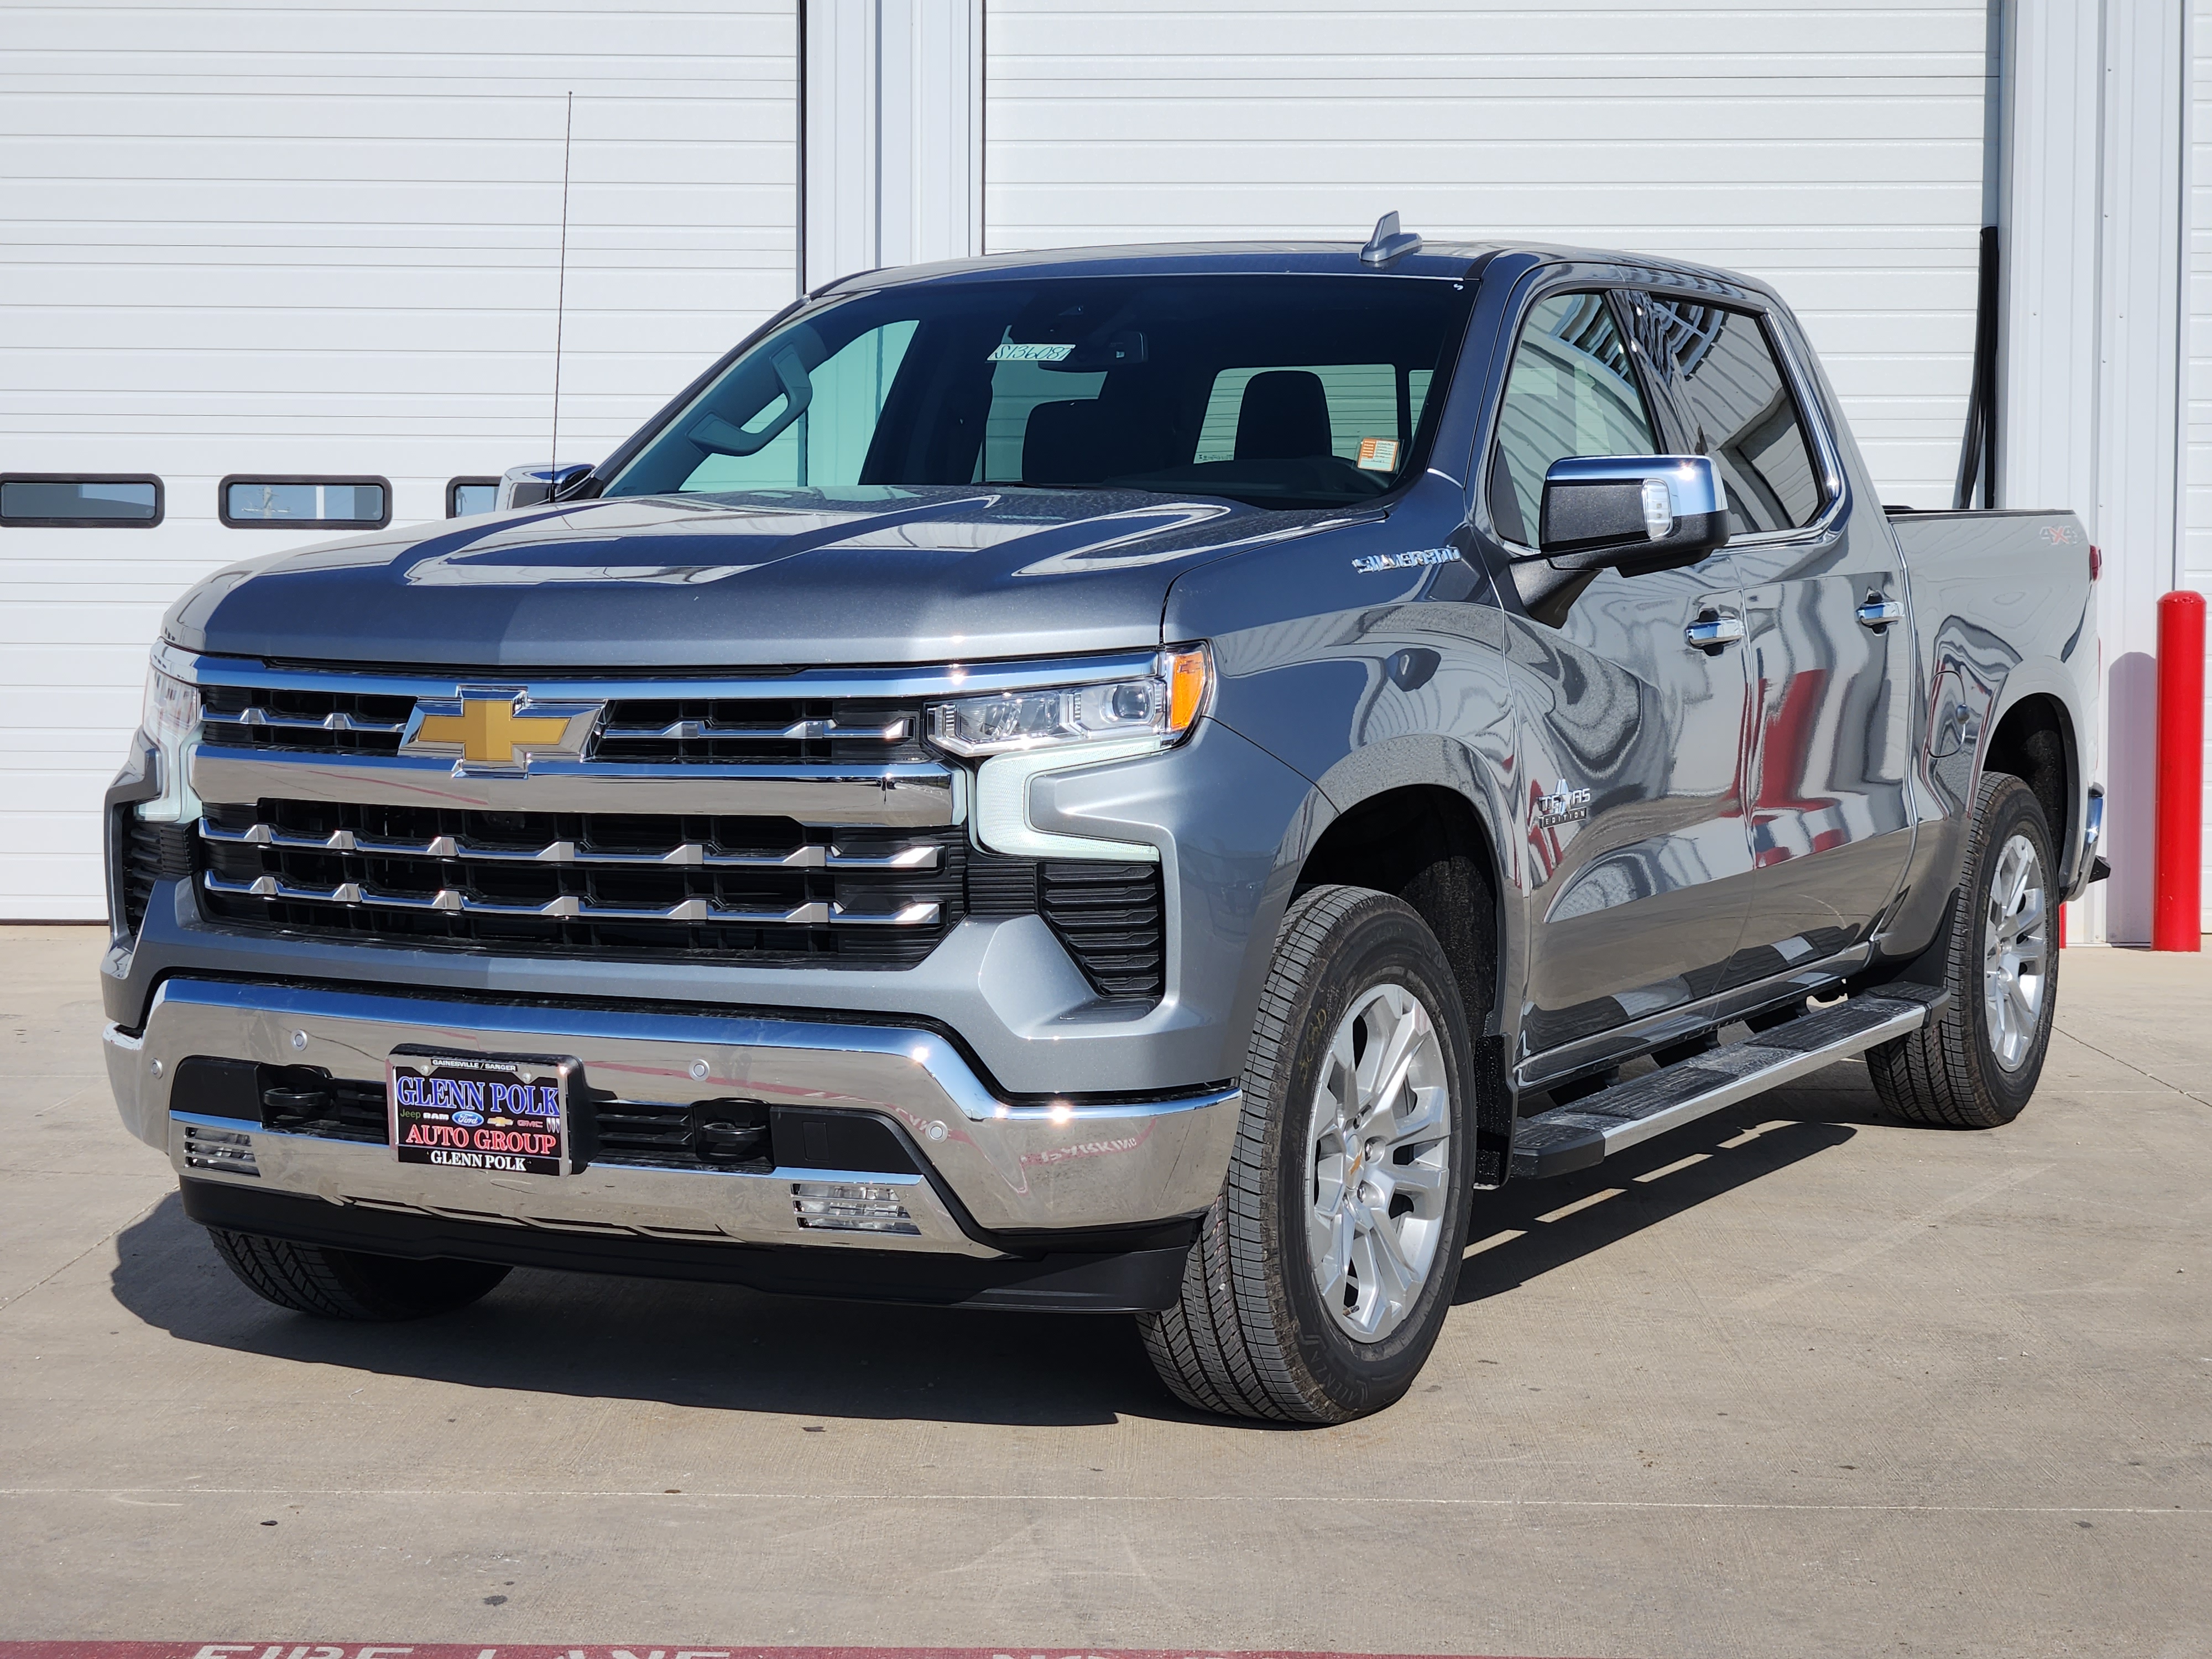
pixel 1561 806
pixel 1377 561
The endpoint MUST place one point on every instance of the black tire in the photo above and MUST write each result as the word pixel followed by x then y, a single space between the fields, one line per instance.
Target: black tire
pixel 1252 1335
pixel 1948 1073
pixel 311 1278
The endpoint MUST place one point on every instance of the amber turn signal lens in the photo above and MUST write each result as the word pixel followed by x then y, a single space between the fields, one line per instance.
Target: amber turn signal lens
pixel 1189 673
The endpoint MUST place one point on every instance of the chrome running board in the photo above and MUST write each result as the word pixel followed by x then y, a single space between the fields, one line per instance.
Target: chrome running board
pixel 1571 1138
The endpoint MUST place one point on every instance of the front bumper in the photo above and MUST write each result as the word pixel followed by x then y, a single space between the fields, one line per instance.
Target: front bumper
pixel 1000 1177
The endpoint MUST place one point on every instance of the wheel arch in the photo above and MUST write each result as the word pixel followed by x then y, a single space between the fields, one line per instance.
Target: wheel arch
pixel 2034 739
pixel 1433 847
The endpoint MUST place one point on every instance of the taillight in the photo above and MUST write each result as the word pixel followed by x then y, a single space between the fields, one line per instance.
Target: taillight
pixel 2096 561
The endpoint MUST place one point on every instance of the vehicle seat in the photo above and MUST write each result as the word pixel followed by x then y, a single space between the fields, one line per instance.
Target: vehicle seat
pixel 1283 417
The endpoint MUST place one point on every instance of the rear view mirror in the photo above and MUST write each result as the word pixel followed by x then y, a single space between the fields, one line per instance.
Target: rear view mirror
pixel 1632 512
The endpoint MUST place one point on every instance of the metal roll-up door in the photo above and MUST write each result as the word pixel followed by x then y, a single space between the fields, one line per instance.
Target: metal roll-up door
pixel 1833 148
pixel 308 242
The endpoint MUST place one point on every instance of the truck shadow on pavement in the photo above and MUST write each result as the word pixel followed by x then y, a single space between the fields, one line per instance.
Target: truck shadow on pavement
pixel 726 1348
pixel 1528 1229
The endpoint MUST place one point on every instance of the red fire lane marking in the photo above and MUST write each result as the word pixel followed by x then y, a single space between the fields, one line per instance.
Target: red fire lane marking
pixel 522 1650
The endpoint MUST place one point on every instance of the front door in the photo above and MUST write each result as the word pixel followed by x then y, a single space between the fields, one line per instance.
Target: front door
pixel 1636 860
pixel 1831 733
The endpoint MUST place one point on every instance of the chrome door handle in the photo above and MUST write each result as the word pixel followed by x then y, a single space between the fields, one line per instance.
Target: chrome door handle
pixel 1712 633
pixel 1878 613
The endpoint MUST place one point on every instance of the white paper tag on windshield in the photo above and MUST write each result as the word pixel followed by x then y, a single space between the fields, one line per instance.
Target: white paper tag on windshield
pixel 1378 454
pixel 1009 351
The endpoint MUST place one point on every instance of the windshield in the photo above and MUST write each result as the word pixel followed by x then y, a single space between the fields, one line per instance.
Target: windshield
pixel 1281 391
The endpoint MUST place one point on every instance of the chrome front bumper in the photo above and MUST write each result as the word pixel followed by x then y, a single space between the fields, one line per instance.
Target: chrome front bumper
pixel 1011 1168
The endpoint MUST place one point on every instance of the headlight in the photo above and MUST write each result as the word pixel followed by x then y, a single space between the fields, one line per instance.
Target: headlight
pixel 171 717
pixel 1162 705
pixel 172 707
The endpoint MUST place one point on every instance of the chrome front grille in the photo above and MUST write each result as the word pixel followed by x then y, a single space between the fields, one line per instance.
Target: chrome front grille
pixel 757 731
pixel 723 886
pixel 308 721
pixel 637 731
pixel 778 818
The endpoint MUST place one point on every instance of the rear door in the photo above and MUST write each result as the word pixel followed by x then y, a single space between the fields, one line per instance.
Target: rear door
pixel 1825 780
pixel 1632 749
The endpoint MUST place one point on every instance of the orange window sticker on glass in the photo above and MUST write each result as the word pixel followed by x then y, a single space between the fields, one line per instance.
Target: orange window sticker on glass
pixel 1378 454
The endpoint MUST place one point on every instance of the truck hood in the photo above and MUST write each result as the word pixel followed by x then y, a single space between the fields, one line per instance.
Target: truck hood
pixel 789 578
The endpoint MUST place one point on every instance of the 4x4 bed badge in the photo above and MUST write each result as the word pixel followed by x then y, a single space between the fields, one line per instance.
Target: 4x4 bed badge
pixel 492 729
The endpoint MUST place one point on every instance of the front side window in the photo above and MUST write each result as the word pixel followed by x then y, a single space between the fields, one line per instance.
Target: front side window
pixel 1745 415
pixel 1281 391
pixel 304 503
pixel 95 501
pixel 1571 391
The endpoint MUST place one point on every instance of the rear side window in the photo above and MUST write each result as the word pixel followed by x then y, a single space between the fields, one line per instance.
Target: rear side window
pixel 1571 391
pixel 1742 413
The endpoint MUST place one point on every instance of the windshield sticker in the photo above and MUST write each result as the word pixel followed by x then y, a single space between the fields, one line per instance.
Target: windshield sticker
pixel 1378 454
pixel 1011 351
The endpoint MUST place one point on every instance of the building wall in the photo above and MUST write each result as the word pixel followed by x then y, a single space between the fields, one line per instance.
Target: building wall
pixel 304 240
pixel 2197 521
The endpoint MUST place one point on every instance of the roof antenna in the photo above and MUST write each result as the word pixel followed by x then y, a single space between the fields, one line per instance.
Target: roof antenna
pixel 1388 242
pixel 561 303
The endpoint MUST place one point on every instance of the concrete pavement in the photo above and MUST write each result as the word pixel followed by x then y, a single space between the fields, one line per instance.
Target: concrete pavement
pixel 1795 1380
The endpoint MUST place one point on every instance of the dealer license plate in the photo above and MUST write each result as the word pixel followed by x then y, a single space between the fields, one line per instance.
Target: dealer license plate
pixel 479 1112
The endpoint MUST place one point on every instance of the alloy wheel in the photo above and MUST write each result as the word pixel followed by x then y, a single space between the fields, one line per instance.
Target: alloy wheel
pixel 1378 1163
pixel 2016 945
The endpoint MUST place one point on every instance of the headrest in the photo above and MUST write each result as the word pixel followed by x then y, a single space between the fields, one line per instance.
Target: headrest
pixel 1284 416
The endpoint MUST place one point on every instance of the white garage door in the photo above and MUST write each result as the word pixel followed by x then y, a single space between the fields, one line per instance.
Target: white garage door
pixel 1833 147
pixel 282 242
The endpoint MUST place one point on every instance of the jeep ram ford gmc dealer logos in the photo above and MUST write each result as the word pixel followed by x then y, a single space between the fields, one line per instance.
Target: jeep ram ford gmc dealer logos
pixel 471 1112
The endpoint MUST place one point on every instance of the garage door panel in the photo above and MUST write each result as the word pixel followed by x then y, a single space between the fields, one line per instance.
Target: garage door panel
pixel 306 241
pixel 166 40
pixel 1717 41
pixel 1834 150
pixel 107 113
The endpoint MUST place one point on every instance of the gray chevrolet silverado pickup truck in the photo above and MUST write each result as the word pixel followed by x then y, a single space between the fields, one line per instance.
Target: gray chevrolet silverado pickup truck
pixel 1139 780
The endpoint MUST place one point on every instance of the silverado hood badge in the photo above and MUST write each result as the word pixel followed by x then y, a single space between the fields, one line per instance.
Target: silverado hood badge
pixel 491 730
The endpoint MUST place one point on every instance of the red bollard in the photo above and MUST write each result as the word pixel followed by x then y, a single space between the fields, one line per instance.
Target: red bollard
pixel 2177 847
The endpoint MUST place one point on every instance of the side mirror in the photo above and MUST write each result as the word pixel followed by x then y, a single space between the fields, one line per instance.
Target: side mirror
pixel 526 486
pixel 1632 512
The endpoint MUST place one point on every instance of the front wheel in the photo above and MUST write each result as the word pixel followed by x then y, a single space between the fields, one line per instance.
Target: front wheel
pixel 1974 1066
pixel 1323 1273
pixel 350 1285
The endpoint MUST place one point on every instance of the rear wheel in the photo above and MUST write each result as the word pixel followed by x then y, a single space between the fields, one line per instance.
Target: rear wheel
pixel 1323 1273
pixel 1974 1066
pixel 311 1278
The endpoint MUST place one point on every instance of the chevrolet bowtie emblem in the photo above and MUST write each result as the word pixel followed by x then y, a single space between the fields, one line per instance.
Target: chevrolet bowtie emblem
pixel 499 728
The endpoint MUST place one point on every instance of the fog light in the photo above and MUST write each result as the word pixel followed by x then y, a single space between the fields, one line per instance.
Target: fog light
pixel 851 1206
pixel 219 1149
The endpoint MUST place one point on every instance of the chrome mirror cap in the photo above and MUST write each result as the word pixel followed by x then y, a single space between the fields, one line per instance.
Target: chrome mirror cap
pixel 1632 512
pixel 526 486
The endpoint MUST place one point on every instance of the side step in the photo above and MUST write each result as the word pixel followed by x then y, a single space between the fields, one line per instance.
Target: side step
pixel 1571 1138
